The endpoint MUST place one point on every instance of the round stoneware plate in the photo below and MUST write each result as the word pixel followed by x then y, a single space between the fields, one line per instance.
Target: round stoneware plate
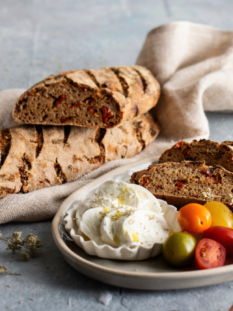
pixel 151 274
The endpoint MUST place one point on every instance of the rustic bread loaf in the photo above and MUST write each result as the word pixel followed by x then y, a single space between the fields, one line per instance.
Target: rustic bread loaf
pixel 34 157
pixel 98 98
pixel 209 151
pixel 187 182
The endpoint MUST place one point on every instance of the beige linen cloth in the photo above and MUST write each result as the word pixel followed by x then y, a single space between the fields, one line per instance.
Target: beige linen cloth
pixel 193 63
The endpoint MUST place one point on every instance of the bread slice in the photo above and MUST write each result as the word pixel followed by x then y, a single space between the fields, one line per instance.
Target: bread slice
pixel 187 182
pixel 97 98
pixel 34 157
pixel 209 151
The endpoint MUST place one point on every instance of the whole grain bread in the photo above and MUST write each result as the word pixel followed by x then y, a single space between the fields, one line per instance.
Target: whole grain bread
pixel 209 151
pixel 34 157
pixel 97 98
pixel 187 182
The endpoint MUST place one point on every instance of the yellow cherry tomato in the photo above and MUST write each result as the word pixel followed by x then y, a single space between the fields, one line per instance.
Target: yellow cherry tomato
pixel 221 214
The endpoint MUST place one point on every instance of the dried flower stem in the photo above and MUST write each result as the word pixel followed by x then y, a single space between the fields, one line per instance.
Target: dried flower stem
pixel 4 269
pixel 31 243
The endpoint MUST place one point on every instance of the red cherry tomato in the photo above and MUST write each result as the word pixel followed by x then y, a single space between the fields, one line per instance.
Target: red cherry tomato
pixel 222 235
pixel 210 254
pixel 194 218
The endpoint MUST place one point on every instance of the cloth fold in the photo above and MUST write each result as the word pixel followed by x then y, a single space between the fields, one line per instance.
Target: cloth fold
pixel 194 65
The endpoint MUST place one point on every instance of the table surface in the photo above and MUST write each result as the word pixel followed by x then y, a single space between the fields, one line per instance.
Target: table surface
pixel 39 37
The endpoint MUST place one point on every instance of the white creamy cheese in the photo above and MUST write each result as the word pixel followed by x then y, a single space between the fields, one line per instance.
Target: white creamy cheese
pixel 121 214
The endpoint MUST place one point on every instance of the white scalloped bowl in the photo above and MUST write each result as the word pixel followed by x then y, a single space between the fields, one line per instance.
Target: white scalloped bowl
pixel 120 253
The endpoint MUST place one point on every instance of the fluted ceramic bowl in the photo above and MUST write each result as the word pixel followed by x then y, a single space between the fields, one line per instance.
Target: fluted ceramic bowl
pixel 138 252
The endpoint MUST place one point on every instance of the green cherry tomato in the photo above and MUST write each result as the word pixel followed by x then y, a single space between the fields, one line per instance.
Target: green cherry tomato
pixel 179 249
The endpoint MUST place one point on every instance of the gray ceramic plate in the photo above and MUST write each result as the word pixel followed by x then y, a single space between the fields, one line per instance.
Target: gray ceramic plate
pixel 151 274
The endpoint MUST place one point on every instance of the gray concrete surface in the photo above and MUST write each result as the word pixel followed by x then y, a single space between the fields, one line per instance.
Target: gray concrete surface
pixel 39 37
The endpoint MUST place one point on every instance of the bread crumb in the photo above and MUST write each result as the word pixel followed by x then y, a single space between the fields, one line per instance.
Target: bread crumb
pixel 105 298
pixel 69 302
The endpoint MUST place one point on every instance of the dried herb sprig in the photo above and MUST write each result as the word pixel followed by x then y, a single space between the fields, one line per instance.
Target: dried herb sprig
pixel 31 243
pixel 15 243
pixel 4 269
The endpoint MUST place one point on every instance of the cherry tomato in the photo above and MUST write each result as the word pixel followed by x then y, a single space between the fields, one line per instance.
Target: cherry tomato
pixel 222 235
pixel 221 214
pixel 179 249
pixel 210 254
pixel 194 218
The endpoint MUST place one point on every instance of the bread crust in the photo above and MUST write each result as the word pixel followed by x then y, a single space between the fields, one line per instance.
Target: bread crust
pixel 103 97
pixel 209 151
pixel 187 182
pixel 35 157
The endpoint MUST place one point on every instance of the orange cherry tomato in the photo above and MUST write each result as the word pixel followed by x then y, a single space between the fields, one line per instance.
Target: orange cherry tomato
pixel 194 218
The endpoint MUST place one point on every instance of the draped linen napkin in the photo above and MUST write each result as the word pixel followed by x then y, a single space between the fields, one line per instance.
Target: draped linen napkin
pixel 194 65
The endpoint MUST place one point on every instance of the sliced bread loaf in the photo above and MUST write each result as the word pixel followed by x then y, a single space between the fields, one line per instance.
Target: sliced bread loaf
pixel 34 157
pixel 187 182
pixel 97 98
pixel 209 151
